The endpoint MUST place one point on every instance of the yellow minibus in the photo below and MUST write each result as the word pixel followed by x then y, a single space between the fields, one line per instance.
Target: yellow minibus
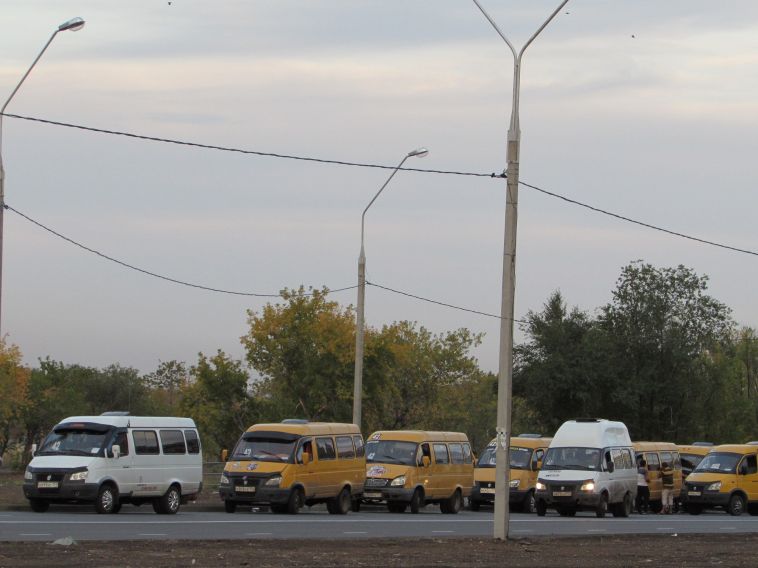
pixel 655 455
pixel 295 463
pixel 411 468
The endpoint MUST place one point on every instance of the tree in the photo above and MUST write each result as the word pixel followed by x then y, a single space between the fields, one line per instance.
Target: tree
pixel 14 382
pixel 166 383
pixel 662 323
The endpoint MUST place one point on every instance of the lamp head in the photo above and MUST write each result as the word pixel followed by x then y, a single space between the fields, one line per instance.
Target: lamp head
pixel 419 152
pixel 74 25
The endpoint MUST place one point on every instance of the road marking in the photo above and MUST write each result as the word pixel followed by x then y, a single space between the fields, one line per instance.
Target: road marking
pixel 142 521
pixel 597 530
pixel 728 528
pixel 151 534
pixel 258 534
pixel 354 532
pixel 34 534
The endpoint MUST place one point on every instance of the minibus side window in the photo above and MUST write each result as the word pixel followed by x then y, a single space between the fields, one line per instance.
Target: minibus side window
pixel 123 442
pixel 325 449
pixel 628 460
pixel 440 454
pixel 145 442
pixel 360 450
pixel 306 446
pixel 467 454
pixel 425 451
pixel 750 465
pixel 193 442
pixel 172 442
pixel 456 453
pixel 618 458
pixel 666 457
pixel 345 450
pixel 653 463
pixel 677 461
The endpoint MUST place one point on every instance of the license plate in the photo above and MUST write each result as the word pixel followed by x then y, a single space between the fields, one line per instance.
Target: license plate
pixel 694 493
pixel 487 490
pixel 244 489
pixel 47 484
pixel 562 493
pixel 372 494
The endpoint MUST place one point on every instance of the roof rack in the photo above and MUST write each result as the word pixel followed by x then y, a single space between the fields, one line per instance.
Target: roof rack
pixel 294 421
pixel 529 435
pixel 587 419
pixel 116 413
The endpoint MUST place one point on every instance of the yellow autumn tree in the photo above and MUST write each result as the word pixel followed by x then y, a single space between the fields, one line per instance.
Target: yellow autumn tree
pixel 14 382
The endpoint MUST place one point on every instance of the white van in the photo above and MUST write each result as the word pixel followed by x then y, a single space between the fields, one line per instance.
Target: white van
pixel 589 465
pixel 113 459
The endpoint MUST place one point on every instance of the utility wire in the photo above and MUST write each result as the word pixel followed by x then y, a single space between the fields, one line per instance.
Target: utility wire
pixel 641 223
pixel 379 166
pixel 155 275
pixel 242 151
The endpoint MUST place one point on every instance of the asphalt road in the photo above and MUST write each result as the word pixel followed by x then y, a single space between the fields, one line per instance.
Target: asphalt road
pixel 141 523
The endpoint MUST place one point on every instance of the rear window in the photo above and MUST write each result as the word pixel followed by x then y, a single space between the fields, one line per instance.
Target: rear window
pixel 440 453
pixel 345 450
pixel 145 442
pixel 193 442
pixel 325 448
pixel 173 442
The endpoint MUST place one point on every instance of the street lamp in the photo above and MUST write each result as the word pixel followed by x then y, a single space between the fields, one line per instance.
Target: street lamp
pixel 505 375
pixel 74 24
pixel 358 384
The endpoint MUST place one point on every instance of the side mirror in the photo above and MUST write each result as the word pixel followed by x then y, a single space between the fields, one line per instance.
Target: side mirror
pixel 610 467
pixel 306 458
pixel 743 469
pixel 34 449
pixel 425 461
pixel 224 455
pixel 116 449
pixel 539 465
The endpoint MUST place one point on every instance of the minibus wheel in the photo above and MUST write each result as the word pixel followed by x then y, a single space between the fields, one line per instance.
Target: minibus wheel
pixel 106 500
pixel 541 508
pixel 452 505
pixel 355 505
pixel 169 503
pixel 602 506
pixel 474 505
pixel 417 501
pixel 296 501
pixel 340 505
pixel 529 503
pixel 39 505
pixel 230 506
pixel 736 505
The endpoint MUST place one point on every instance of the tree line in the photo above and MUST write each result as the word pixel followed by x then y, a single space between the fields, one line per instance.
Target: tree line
pixel 663 356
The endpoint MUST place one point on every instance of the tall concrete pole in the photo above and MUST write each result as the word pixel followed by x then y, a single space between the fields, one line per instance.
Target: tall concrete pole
pixel 359 325
pixel 505 362
pixel 74 24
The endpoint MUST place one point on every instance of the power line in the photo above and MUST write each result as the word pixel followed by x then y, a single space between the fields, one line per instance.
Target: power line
pixel 154 274
pixel 379 166
pixel 242 151
pixel 641 223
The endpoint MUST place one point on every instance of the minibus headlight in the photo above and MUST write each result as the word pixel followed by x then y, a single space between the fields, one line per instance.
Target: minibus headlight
pixel 588 486
pixel 515 483
pixel 274 481
pixel 716 486
pixel 79 475
pixel 28 474
pixel 224 479
pixel 399 481
pixel 540 486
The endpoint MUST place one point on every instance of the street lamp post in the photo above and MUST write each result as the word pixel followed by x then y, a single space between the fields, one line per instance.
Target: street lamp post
pixel 505 375
pixel 74 24
pixel 359 327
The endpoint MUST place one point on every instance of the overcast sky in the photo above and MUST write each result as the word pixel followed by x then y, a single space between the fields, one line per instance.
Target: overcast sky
pixel 642 107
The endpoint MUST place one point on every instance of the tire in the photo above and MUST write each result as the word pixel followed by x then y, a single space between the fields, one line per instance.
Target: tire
pixel 355 505
pixel 417 501
pixel 230 506
pixel 602 506
pixel 117 507
pixel 279 509
pixel 169 503
pixel 474 505
pixel 452 505
pixel 529 504
pixel 296 501
pixel 39 505
pixel 694 509
pixel 106 499
pixel 752 510
pixel 340 505
pixel 541 508
pixel 736 505
pixel 624 508
pixel 656 506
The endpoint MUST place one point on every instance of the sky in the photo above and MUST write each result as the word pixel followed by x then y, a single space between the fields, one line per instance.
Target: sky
pixel 640 107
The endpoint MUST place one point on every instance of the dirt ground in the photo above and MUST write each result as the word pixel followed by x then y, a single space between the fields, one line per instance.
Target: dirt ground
pixel 607 552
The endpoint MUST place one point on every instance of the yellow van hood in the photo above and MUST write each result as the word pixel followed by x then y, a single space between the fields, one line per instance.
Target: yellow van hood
pixel 386 470
pixel 704 477
pixel 254 466
pixel 484 474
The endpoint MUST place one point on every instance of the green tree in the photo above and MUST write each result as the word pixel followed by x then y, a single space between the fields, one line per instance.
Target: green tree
pixel 166 384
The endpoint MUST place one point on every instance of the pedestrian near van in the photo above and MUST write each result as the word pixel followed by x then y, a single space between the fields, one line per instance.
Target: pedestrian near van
pixel 667 477
pixel 643 490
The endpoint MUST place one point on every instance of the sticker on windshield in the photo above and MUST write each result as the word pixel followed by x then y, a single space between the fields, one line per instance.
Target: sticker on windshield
pixel 94 450
pixel 376 436
pixel 715 465
pixel 247 451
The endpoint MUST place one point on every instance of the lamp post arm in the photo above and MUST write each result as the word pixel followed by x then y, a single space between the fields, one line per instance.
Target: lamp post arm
pixel 363 216
pixel 13 93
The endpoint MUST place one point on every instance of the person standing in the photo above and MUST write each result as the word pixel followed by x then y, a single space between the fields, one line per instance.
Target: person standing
pixel 643 491
pixel 667 477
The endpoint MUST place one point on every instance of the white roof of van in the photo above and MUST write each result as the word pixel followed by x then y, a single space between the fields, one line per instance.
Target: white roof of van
pixel 134 421
pixel 591 434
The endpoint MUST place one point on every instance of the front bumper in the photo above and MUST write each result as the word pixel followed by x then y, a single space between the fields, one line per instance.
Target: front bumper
pixel 568 495
pixel 387 494
pixel 706 499
pixel 67 491
pixel 515 496
pixel 261 496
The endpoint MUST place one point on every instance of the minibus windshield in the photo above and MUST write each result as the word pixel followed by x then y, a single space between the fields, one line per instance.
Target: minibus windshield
pixel 719 462
pixel 690 461
pixel 264 449
pixel 75 442
pixel 391 451
pixel 519 457
pixel 572 458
